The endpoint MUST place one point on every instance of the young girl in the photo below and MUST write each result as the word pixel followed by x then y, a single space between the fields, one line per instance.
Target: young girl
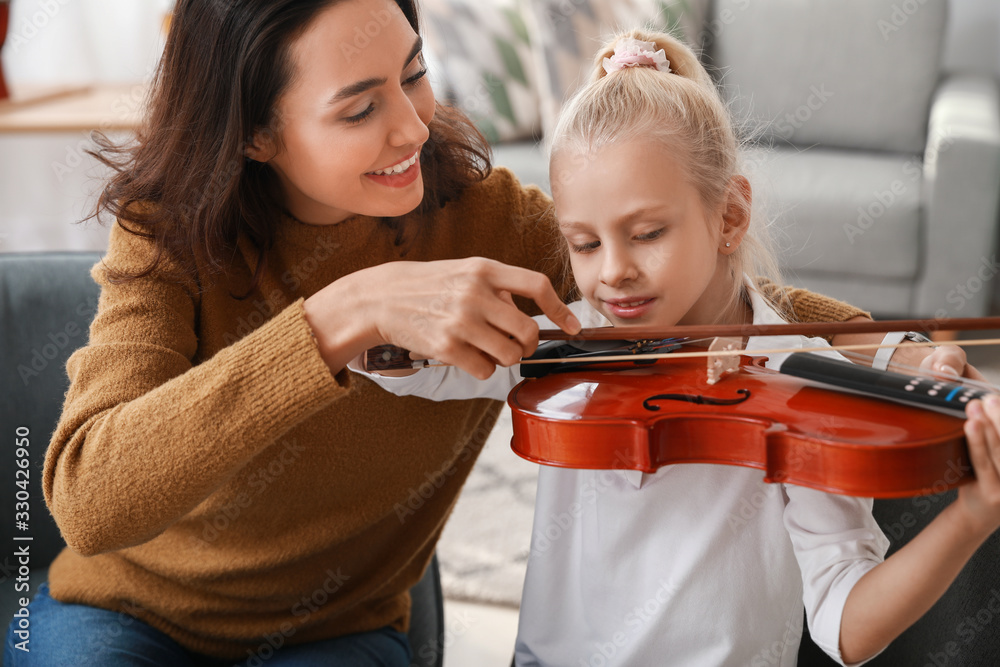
pixel 629 568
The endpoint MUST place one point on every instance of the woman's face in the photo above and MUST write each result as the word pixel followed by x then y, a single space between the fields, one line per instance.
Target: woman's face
pixel 354 117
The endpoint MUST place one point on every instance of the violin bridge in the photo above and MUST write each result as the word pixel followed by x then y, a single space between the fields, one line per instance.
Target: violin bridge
pixel 721 365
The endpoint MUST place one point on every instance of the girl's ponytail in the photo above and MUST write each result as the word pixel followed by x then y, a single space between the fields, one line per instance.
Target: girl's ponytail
pixel 683 61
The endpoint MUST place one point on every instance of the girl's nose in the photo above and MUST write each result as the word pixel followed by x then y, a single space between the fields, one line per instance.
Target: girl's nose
pixel 618 266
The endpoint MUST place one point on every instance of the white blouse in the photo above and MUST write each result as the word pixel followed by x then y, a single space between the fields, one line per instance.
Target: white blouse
pixel 695 565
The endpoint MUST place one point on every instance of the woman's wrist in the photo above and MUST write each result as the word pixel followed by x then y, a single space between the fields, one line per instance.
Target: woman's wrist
pixel 336 315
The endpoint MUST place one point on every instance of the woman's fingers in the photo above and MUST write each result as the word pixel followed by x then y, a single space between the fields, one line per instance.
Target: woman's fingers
pixel 462 312
pixel 532 285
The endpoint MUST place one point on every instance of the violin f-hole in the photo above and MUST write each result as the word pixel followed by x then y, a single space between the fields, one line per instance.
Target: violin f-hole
pixel 696 398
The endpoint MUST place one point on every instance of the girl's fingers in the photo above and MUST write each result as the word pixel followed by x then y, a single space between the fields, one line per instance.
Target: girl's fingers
pixel 982 432
pixel 991 412
pixel 950 362
pixel 947 361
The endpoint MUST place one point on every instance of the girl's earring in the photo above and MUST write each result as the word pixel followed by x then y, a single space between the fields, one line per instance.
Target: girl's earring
pixel 728 244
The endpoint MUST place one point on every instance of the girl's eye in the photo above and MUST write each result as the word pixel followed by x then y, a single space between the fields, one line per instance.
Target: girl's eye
pixel 650 236
pixel 360 118
pixel 585 247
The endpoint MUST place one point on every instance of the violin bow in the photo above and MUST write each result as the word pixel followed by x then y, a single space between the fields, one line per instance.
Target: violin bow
pixel 786 329
pixel 389 357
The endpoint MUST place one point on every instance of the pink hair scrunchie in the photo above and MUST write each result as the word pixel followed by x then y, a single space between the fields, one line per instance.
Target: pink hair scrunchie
pixel 634 53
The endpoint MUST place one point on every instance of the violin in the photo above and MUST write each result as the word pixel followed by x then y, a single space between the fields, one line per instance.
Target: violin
pixel 817 422
pixel 643 417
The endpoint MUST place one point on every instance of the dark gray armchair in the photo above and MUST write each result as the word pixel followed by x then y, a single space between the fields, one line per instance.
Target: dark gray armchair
pixel 47 301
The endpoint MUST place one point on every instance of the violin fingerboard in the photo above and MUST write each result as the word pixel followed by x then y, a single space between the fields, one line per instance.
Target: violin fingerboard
pixel 387 358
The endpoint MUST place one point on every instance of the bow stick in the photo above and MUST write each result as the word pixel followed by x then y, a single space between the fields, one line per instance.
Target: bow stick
pixel 789 329
pixel 390 357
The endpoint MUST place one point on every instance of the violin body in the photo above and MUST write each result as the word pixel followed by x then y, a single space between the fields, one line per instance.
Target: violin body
pixel 795 430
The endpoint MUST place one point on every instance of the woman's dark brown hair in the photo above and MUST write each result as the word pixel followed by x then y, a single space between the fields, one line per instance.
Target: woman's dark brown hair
pixel 185 181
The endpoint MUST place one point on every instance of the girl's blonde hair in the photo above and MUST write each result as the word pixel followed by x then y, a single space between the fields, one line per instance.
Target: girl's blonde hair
pixel 683 111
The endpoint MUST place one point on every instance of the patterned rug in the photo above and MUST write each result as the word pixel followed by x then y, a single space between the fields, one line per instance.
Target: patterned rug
pixel 484 548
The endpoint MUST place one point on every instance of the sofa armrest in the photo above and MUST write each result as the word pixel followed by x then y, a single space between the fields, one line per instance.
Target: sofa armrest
pixel 962 186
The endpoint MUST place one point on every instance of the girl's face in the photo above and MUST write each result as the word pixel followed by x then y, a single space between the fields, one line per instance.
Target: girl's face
pixel 354 117
pixel 643 247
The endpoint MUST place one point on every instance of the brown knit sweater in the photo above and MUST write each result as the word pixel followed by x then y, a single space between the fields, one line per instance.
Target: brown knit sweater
pixel 211 476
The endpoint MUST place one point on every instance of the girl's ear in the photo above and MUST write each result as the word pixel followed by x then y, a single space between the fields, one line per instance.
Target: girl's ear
pixel 262 146
pixel 736 216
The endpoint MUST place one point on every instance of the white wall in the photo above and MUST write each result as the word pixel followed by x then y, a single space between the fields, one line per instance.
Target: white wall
pixel 74 41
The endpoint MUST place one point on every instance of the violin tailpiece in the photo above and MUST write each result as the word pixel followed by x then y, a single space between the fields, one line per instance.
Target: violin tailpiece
pixel 719 366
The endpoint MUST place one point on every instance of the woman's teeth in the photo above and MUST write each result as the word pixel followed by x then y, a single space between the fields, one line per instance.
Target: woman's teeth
pixel 399 168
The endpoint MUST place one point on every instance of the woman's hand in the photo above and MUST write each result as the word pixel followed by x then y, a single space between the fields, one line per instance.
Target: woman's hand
pixel 459 312
pixel 980 499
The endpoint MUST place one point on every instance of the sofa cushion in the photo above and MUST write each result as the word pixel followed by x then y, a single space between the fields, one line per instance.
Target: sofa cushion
pixel 850 73
pixel 841 212
pixel 480 59
pixel 567 33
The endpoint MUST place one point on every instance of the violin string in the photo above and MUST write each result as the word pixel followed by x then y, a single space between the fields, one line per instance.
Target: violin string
pixel 723 353
pixel 850 351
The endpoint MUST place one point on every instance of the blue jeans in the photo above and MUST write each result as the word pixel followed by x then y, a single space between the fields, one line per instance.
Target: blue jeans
pixel 73 634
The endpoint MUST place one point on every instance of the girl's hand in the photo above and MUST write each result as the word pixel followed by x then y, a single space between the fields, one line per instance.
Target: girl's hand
pixel 459 312
pixel 980 499
pixel 945 361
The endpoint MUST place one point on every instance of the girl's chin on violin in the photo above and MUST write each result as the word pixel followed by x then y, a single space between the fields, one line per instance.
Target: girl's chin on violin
pixel 630 308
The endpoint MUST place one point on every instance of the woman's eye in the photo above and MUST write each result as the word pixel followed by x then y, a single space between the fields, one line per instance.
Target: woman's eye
pixel 359 118
pixel 416 77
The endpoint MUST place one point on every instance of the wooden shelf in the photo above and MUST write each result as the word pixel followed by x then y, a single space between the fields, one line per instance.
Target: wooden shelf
pixel 73 109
